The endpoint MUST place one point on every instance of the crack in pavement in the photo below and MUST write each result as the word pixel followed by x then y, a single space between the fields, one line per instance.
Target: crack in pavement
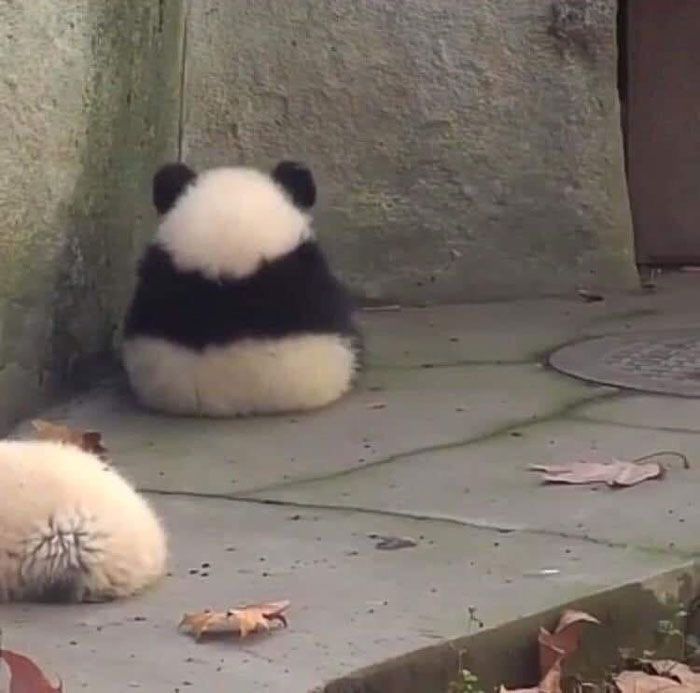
pixel 536 357
pixel 436 518
pixel 640 427
pixel 534 360
pixel 439 447
pixel 630 314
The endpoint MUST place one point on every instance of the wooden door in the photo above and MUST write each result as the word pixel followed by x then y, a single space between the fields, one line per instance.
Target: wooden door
pixel 661 114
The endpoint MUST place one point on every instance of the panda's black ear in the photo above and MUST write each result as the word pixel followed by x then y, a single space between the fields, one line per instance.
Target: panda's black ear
pixel 169 183
pixel 297 180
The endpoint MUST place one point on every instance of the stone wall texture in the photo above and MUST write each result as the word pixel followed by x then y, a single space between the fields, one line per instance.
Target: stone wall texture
pixel 89 104
pixel 465 149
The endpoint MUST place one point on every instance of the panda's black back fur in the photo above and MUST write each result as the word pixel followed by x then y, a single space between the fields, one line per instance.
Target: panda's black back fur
pixel 291 295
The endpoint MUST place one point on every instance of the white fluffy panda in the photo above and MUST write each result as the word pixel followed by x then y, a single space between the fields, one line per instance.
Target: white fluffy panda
pixel 236 311
pixel 71 528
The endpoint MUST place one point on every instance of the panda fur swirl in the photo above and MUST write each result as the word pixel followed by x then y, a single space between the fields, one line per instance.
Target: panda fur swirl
pixel 71 528
pixel 236 311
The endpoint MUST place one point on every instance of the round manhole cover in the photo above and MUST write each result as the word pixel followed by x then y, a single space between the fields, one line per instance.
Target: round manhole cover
pixel 663 362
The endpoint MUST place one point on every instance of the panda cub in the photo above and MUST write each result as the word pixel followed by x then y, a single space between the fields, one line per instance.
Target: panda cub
pixel 236 311
pixel 71 528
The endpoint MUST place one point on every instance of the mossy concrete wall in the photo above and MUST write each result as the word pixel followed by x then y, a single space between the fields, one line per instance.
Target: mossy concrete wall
pixel 465 150
pixel 89 104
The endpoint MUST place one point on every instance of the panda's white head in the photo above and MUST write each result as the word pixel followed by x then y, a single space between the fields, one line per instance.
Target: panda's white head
pixel 226 222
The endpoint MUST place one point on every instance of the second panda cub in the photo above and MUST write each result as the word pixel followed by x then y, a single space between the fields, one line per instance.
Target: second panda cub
pixel 236 311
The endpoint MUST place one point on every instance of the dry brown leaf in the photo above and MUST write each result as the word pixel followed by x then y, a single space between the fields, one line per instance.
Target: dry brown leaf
pixel 550 683
pixel 615 473
pixel 572 617
pixel 90 441
pixel 676 670
pixel 640 682
pixel 242 620
pixel 391 307
pixel 549 653
pixel 25 676
pixel 589 296
pixel 554 647
pixel 387 543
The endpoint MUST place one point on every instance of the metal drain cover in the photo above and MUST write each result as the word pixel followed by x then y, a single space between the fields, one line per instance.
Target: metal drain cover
pixel 665 362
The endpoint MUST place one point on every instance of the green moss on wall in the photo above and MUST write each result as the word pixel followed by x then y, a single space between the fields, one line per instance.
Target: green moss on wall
pixel 91 96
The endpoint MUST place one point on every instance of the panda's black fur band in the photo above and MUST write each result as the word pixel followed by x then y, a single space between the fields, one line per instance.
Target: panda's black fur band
pixel 294 294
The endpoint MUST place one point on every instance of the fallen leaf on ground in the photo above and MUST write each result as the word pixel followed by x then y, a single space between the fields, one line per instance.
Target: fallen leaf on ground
pixel 641 682
pixel 90 441
pixel 676 670
pixel 25 676
pixel 589 296
pixel 242 620
pixel 554 648
pixel 657 676
pixel 564 640
pixel 550 683
pixel 393 543
pixel 390 308
pixel 615 473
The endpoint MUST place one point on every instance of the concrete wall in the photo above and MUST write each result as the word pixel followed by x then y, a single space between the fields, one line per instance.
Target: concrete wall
pixel 465 148
pixel 89 104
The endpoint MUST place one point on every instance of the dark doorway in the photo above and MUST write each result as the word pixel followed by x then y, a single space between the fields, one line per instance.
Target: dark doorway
pixel 659 78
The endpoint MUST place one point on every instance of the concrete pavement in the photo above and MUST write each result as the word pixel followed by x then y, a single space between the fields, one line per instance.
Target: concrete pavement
pixel 433 445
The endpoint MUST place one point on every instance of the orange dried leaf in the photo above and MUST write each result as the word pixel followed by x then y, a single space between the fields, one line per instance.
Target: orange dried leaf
pixel 25 676
pixel 589 296
pixel 641 682
pixel 550 683
pixel 615 473
pixel 90 441
pixel 555 647
pixel 549 653
pixel 553 650
pixel 242 620
pixel 676 670
pixel 572 617
pixel 196 623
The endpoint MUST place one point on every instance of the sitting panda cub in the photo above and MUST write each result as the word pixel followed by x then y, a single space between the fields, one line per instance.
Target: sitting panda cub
pixel 236 311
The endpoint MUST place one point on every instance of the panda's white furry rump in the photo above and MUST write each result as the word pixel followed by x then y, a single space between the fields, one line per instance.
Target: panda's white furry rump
pixel 250 377
pixel 71 528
